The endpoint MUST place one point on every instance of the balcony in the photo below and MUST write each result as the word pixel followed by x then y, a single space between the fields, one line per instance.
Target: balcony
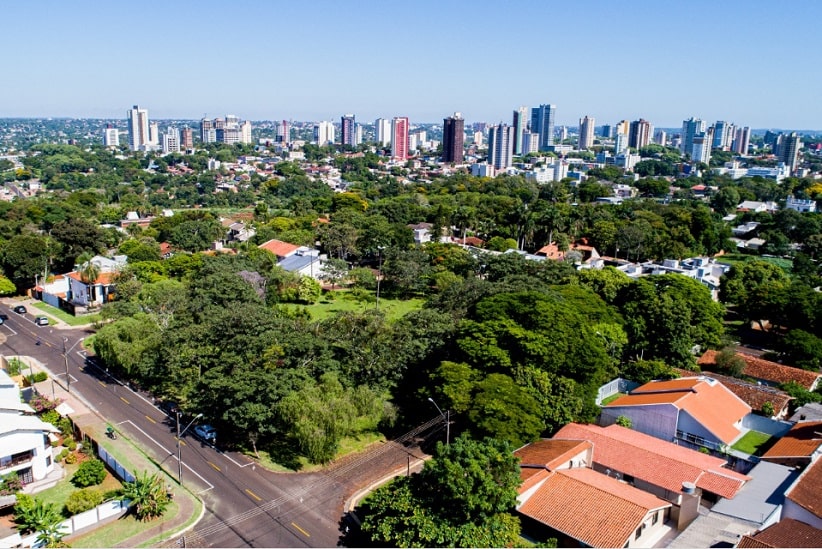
pixel 14 460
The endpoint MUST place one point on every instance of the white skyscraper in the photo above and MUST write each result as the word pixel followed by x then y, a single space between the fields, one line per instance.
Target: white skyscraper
pixel 501 146
pixel 138 136
pixel 621 143
pixel 586 133
pixel 111 137
pixel 245 132
pixel 382 131
pixel 660 137
pixel 701 147
pixel 153 135
pixel 690 128
pixel 530 142
pixel 171 140
pixel 324 133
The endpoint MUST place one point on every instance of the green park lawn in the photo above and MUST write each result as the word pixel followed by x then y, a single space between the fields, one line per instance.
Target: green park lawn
pixel 754 443
pixel 732 259
pixel 343 301
pixel 71 320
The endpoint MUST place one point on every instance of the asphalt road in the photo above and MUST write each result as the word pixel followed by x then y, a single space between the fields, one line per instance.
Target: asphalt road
pixel 246 506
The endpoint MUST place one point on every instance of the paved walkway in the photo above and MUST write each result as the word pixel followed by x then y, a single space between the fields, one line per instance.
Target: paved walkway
pixel 92 424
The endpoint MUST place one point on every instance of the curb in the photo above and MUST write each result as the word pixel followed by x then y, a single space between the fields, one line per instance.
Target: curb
pixel 355 498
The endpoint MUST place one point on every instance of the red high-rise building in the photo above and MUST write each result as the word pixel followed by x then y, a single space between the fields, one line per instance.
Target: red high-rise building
pixel 399 138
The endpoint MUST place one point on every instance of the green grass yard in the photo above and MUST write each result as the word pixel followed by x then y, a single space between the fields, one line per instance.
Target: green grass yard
pixel 64 488
pixel 754 443
pixel 343 301
pixel 732 259
pixel 607 400
pixel 71 320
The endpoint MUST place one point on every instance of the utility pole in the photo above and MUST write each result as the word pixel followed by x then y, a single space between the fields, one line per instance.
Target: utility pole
pixel 65 359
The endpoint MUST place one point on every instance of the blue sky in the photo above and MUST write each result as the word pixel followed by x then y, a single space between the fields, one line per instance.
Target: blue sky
pixel 750 62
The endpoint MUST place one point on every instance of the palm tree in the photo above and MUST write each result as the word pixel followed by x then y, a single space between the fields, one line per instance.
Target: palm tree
pixel 148 496
pixel 89 273
pixel 35 515
pixel 52 536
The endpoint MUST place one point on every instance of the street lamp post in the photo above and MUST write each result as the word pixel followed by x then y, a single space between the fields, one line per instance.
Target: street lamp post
pixel 447 418
pixel 65 359
pixel 179 448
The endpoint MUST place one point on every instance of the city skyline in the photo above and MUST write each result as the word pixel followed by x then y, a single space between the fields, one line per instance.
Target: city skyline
pixel 607 61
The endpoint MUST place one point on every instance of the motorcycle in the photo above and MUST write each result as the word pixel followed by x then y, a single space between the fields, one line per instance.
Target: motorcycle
pixel 111 433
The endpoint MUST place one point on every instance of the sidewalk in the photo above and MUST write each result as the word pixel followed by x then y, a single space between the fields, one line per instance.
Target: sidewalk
pixel 29 303
pixel 90 423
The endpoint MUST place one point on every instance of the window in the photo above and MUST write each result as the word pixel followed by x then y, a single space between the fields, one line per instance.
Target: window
pixel 639 531
pixel 655 518
pixel 48 461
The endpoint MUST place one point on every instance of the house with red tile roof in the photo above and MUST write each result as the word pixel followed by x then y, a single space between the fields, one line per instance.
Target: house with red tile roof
pixel 803 500
pixel 785 533
pixel 552 251
pixel 767 372
pixel 697 411
pixel 755 396
pixel 654 465
pixel 799 446
pixel 538 458
pixel 580 506
pixel 279 248
pixel 84 293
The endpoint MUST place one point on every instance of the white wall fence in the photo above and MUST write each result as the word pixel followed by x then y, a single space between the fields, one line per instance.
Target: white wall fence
pixel 78 522
pixel 618 385
pixel 88 518
pixel 766 425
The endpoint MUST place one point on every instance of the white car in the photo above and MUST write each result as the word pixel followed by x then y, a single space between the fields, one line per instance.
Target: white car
pixel 206 433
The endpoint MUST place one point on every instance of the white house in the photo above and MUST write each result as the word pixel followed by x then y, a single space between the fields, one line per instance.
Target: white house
pixel 24 443
pixel 99 291
pixel 305 262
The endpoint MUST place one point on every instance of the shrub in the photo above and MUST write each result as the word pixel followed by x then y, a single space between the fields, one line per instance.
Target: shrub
pixel 42 403
pixel 10 484
pixel 767 409
pixel 51 416
pixel 15 366
pixel 624 421
pixel 70 443
pixel 65 426
pixel 83 500
pixel 62 455
pixel 36 378
pixel 70 457
pixel 704 450
pixel 90 473
pixel 109 495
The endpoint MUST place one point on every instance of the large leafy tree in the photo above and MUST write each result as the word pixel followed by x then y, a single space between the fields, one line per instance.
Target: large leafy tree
pixel 668 316
pixel 463 497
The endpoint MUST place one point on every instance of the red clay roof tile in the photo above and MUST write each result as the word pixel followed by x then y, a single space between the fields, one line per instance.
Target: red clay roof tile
pixel 766 370
pixel 591 507
pixel 654 460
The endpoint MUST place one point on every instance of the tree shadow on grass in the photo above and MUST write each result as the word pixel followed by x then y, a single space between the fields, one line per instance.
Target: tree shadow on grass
pixel 284 452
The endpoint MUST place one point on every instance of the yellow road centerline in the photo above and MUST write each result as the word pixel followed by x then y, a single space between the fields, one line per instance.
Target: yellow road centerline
pixel 151 419
pixel 306 534
pixel 252 494
pixel 213 465
pixel 124 400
